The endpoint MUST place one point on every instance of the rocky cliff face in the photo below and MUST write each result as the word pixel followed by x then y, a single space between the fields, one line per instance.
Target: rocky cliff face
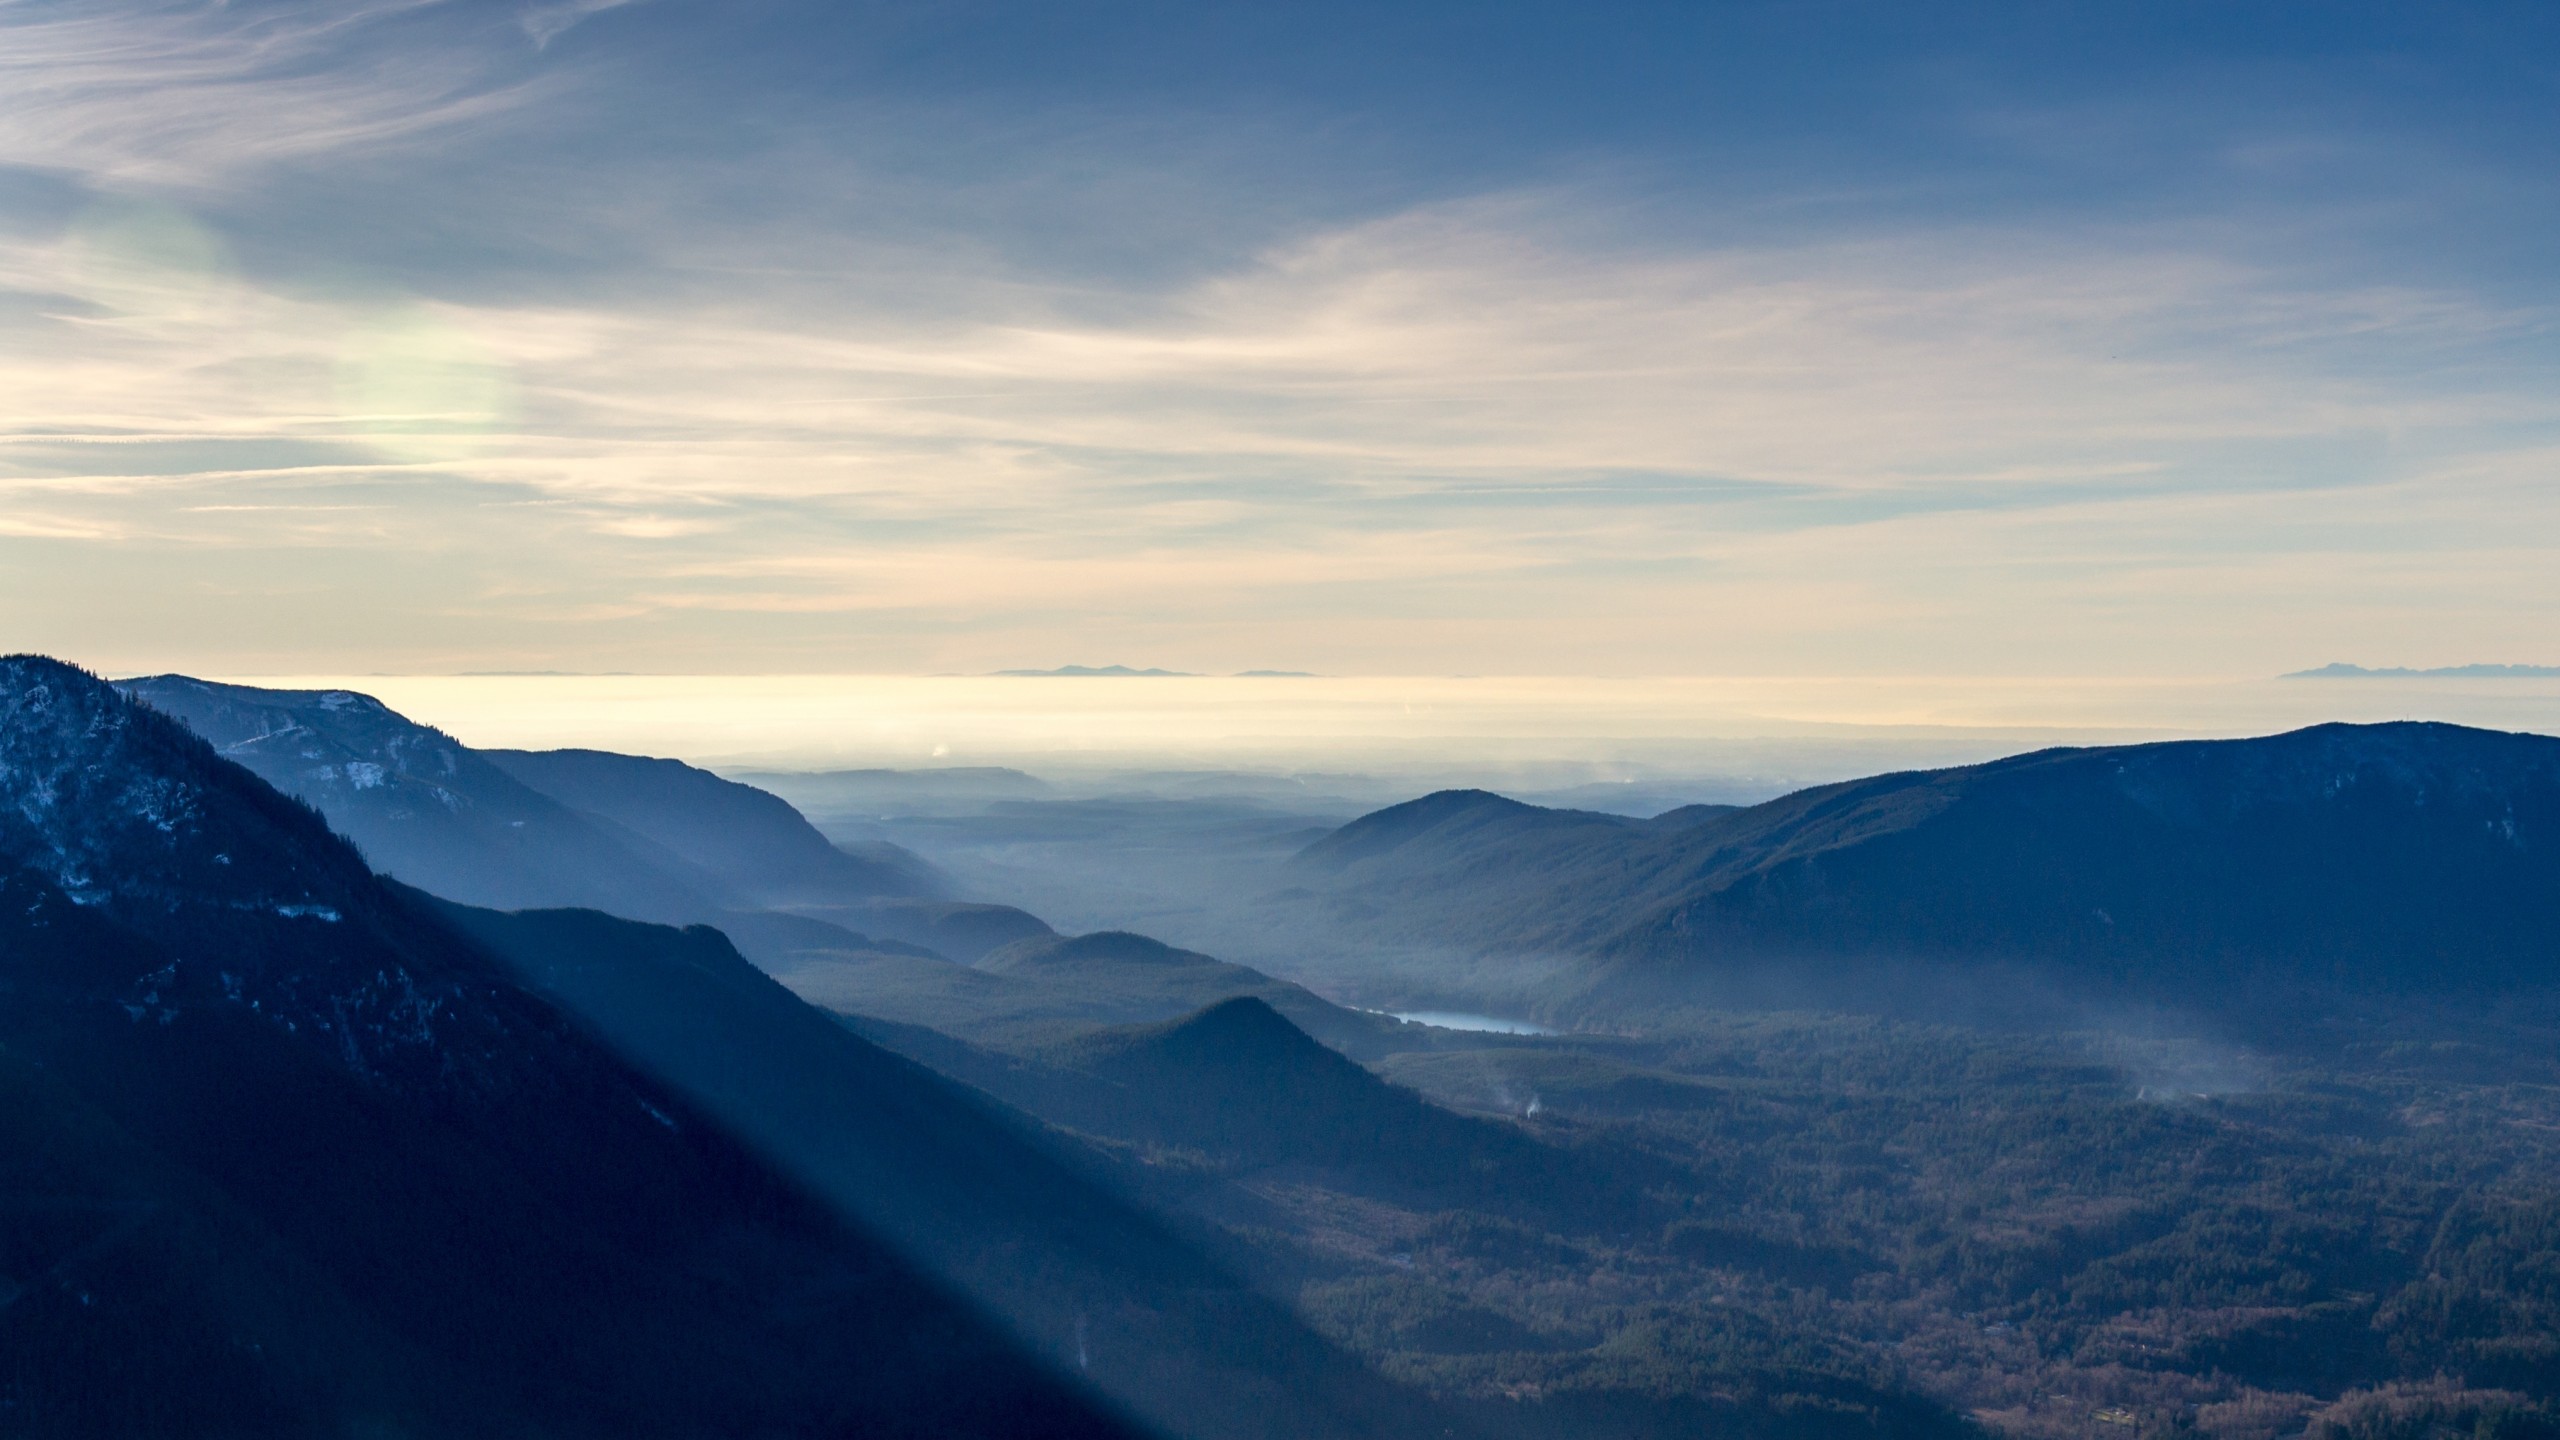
pixel 241 898
pixel 427 809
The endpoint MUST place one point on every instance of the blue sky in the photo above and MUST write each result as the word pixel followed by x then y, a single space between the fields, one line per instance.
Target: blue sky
pixel 1760 339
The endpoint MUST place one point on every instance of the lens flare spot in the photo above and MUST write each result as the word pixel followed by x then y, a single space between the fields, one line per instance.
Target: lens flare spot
pixel 417 385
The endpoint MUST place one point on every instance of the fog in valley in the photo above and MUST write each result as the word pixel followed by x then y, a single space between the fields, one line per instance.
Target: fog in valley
pixel 1405 720
pixel 1200 859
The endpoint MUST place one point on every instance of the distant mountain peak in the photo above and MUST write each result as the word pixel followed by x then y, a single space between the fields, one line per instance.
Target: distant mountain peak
pixel 1116 945
pixel 1398 825
pixel 1238 1017
pixel 1242 1034
pixel 1241 1047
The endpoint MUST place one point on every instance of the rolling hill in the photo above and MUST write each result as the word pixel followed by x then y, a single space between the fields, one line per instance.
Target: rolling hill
pixel 1033 992
pixel 1237 1086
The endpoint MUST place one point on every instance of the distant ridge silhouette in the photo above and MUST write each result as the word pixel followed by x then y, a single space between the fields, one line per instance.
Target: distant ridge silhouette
pixel 2340 670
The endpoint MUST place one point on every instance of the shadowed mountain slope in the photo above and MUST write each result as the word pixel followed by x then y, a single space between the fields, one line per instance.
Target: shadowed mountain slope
pixel 2339 860
pixel 293 1155
pixel 1239 1084
pixel 977 1194
pixel 761 851
pixel 1237 1079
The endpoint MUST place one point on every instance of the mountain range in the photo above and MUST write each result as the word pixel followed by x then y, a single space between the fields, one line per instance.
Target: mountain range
pixel 871 931
pixel 645 838
pixel 2355 861
pixel 289 1147
pixel 291 1153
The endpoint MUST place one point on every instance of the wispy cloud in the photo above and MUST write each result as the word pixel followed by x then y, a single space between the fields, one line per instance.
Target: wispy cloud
pixel 1453 397
pixel 186 93
pixel 1513 429
pixel 546 23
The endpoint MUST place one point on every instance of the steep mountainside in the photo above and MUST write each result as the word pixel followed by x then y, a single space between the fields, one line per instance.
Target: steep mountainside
pixel 2341 860
pixel 291 1155
pixel 423 806
pixel 763 853
pixel 648 839
pixel 969 1190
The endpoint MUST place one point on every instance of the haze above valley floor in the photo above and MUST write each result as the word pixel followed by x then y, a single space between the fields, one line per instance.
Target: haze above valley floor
pixel 1748 736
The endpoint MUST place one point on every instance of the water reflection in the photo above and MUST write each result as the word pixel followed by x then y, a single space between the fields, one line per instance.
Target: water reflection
pixel 1460 1020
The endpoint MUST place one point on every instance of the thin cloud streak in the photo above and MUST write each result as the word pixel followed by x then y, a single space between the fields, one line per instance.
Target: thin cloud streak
pixel 1205 455
pixel 185 93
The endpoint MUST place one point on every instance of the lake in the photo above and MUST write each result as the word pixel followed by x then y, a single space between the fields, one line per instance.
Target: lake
pixel 1460 1020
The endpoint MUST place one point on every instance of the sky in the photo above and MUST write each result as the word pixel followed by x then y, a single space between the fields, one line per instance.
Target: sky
pixel 1809 339
pixel 1388 738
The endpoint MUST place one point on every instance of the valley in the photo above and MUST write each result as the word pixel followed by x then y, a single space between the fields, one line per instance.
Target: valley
pixel 2053 1209
pixel 1420 1143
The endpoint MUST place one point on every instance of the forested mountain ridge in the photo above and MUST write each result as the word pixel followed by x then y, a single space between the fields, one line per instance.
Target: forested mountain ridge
pixel 287 1154
pixel 426 808
pixel 644 838
pixel 759 849
pixel 2365 859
